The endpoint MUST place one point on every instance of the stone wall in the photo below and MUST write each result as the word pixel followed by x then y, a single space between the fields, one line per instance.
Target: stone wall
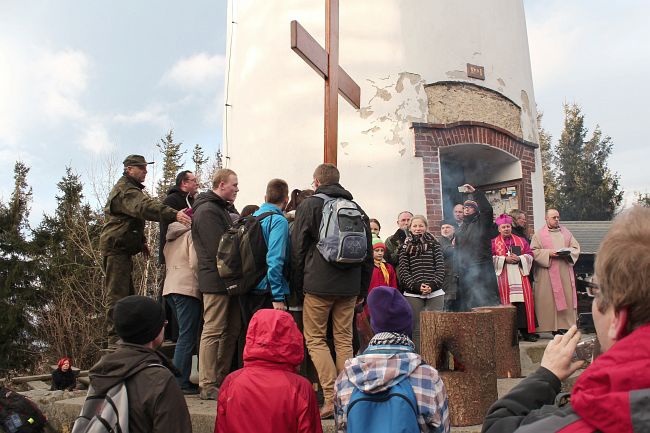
pixel 454 101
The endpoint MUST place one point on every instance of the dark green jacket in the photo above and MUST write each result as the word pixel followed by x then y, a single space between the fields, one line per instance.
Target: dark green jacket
pixel 126 210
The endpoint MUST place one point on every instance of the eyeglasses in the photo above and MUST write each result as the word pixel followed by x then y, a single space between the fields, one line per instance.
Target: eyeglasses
pixel 593 289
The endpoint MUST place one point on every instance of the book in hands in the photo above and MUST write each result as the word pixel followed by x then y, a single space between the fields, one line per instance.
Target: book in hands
pixel 515 249
pixel 563 252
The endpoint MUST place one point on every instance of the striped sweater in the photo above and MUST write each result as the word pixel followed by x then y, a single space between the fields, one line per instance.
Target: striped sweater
pixel 428 267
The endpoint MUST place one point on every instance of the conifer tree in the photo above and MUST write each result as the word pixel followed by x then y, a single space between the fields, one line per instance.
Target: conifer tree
pixel 20 296
pixel 70 273
pixel 199 159
pixel 172 155
pixel 548 174
pixel 587 188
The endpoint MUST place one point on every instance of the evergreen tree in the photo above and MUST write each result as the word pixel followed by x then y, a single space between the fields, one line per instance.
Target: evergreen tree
pixel 70 273
pixel 20 296
pixel 172 155
pixel 587 188
pixel 548 174
pixel 199 159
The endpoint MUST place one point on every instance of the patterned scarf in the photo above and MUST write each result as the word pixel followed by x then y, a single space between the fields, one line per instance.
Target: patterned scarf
pixel 391 339
pixel 418 244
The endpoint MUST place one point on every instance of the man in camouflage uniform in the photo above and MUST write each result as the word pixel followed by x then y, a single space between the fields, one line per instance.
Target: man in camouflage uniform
pixel 122 237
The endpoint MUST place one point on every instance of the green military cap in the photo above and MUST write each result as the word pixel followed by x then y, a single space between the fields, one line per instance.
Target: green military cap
pixel 135 160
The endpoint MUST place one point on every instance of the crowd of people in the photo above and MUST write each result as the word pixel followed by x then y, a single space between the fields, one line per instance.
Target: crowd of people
pixel 330 281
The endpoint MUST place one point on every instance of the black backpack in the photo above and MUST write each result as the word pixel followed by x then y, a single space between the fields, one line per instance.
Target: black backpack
pixel 241 255
pixel 18 414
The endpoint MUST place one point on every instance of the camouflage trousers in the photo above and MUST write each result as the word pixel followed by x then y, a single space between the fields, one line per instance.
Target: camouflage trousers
pixel 118 284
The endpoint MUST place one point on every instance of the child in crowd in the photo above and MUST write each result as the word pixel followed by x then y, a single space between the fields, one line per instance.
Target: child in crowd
pixel 383 274
pixel 422 272
pixel 375 228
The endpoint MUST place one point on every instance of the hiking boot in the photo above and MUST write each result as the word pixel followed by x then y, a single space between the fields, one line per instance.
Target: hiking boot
pixel 209 393
pixel 327 411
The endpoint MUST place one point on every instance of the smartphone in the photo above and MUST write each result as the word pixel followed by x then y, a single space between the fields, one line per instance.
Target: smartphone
pixel 462 189
pixel 584 350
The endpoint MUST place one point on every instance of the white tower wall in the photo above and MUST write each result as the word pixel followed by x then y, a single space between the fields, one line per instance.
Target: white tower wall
pixel 391 48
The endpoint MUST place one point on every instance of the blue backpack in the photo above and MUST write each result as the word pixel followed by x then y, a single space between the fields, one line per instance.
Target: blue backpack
pixel 394 410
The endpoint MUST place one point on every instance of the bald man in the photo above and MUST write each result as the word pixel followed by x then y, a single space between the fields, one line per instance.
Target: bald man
pixel 555 251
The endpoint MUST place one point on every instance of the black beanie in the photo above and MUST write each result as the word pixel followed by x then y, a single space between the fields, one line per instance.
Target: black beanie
pixel 138 319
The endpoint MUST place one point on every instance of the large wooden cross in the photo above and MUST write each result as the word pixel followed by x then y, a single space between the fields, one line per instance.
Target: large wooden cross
pixel 326 63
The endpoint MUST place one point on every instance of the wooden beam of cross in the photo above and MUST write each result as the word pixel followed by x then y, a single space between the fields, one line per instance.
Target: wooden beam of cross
pixel 326 63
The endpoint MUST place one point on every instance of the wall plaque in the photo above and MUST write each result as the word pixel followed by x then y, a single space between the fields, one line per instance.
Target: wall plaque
pixel 475 71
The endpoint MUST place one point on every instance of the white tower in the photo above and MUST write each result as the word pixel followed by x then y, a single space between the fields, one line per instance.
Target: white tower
pixel 425 126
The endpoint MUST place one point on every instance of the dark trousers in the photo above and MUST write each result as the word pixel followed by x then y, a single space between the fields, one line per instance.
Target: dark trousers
pixel 118 284
pixel 188 313
pixel 250 303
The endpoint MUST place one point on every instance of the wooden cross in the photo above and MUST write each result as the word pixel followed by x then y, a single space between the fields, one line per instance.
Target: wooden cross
pixel 326 63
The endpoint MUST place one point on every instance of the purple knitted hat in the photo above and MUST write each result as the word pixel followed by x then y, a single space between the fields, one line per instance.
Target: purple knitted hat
pixel 389 311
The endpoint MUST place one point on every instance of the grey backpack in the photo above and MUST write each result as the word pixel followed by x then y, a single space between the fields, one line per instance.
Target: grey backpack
pixel 342 234
pixel 106 413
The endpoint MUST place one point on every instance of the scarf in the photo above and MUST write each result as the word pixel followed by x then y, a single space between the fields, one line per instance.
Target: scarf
pixel 380 264
pixel 391 339
pixel 554 269
pixel 418 244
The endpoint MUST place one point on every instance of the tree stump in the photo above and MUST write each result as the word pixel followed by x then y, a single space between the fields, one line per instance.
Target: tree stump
pixel 461 347
pixel 506 344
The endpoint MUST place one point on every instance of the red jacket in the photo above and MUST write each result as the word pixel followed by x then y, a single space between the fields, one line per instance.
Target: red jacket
pixel 611 396
pixel 378 280
pixel 267 395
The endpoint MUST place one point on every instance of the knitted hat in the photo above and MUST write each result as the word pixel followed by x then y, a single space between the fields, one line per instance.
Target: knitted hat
pixel 503 219
pixel 389 311
pixel 378 243
pixel 138 319
pixel 471 203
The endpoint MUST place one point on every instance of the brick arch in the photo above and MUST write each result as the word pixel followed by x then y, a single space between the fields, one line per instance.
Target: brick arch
pixel 430 137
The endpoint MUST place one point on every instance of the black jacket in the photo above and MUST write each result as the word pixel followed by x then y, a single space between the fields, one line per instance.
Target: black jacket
pixel 210 221
pixel 310 272
pixel 156 403
pixel 474 237
pixel 530 401
pixel 62 380
pixel 450 285
pixel 178 200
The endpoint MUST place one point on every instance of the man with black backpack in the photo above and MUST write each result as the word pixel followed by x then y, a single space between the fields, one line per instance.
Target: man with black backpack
pixel 331 265
pixel 134 388
pixel 272 289
pixel 221 315
pixel 389 388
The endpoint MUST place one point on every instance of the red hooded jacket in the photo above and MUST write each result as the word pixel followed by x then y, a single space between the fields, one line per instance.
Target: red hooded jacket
pixel 267 396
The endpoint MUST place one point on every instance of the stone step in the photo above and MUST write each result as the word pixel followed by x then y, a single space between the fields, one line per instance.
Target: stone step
pixel 63 409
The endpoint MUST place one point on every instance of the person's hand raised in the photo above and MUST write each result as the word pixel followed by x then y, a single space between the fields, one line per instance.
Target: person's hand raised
pixel 558 353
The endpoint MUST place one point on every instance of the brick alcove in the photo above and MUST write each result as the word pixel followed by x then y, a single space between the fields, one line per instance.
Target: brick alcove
pixel 430 138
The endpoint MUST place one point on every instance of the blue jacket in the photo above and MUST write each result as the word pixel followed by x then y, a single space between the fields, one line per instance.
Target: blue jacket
pixel 276 235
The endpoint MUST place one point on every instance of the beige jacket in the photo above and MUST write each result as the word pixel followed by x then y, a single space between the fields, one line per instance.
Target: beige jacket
pixel 181 262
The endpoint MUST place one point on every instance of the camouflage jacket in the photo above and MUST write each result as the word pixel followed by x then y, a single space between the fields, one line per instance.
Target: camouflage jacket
pixel 126 210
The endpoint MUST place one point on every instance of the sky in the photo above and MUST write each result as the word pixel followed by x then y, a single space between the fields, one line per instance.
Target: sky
pixel 86 82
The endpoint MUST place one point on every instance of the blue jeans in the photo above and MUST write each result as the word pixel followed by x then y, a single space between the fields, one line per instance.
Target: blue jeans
pixel 188 314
